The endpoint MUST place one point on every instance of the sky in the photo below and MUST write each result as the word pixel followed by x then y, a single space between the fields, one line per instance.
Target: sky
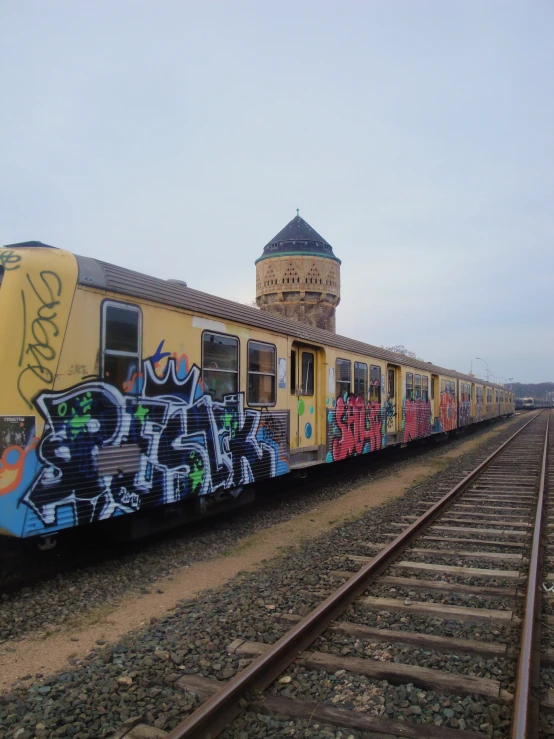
pixel 177 138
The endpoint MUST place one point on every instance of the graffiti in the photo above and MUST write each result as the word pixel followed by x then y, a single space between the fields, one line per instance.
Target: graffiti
pixel 8 260
pixel 104 453
pixel 17 440
pixel 390 412
pixel 448 415
pixel 43 329
pixel 273 429
pixel 464 413
pixel 417 421
pixel 78 369
pixel 354 427
pixel 159 354
pixel 479 411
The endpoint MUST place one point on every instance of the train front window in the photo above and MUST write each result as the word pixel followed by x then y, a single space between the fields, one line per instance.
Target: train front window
pixel 261 373
pixel 121 338
pixel 360 379
pixel 342 377
pixel 220 365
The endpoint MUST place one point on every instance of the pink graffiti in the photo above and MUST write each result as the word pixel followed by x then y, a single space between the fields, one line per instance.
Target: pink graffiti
pixel 448 413
pixel 417 419
pixel 359 423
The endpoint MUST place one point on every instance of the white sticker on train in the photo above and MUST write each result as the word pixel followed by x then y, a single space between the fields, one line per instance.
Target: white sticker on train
pixel 205 323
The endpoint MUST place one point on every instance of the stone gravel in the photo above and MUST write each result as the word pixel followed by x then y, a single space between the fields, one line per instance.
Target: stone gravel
pixel 137 675
pixel 374 698
pixel 71 596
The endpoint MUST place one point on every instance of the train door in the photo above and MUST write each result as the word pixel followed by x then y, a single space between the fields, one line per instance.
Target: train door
pixel 435 398
pixel 305 364
pixel 394 403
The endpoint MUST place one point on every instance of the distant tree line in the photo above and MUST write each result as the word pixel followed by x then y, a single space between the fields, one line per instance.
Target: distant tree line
pixel 531 390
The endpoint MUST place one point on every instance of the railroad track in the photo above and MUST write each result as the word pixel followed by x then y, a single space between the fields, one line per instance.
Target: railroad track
pixel 481 540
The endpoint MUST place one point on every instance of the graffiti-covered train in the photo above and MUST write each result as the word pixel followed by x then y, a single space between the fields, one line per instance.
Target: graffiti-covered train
pixel 126 394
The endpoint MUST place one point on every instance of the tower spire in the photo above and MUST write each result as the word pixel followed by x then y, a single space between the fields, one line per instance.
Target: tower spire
pixel 298 276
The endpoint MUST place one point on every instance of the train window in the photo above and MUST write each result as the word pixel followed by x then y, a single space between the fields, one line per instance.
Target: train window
pixel 121 340
pixel 307 373
pixel 375 384
pixel 220 365
pixel 360 379
pixel 390 385
pixel 417 387
pixel 409 386
pixel 261 373
pixel 433 380
pixel 425 388
pixel 342 377
pixel 292 372
pixel 443 386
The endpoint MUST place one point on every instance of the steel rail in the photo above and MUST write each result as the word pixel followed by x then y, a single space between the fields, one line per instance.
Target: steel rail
pixel 216 713
pixel 523 715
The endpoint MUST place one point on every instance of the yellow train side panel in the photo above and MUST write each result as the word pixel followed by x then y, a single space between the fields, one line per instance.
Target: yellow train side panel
pixel 118 443
pixel 36 293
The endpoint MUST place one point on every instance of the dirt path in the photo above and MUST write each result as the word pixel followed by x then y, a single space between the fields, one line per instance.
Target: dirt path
pixel 52 652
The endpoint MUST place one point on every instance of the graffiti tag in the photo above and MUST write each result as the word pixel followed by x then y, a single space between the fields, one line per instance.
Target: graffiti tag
pixel 448 411
pixel 8 260
pixel 105 453
pixel 355 427
pixel 43 329
pixel 417 419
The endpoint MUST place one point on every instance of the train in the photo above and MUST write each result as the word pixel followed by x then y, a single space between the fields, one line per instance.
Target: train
pixel 129 400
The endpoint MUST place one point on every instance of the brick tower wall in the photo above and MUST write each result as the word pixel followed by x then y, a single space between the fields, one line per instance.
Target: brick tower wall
pixel 303 288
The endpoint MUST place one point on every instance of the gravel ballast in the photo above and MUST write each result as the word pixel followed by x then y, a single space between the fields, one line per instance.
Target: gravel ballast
pixel 137 676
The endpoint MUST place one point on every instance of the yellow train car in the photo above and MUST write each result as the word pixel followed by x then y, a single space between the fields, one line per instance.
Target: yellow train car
pixel 127 394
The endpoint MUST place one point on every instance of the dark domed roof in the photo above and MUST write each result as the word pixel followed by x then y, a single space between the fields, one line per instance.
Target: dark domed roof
pixel 298 238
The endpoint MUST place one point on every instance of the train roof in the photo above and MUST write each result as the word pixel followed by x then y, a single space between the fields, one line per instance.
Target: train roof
pixel 96 273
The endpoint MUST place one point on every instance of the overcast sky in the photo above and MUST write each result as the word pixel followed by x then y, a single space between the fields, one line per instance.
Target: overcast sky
pixel 177 138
